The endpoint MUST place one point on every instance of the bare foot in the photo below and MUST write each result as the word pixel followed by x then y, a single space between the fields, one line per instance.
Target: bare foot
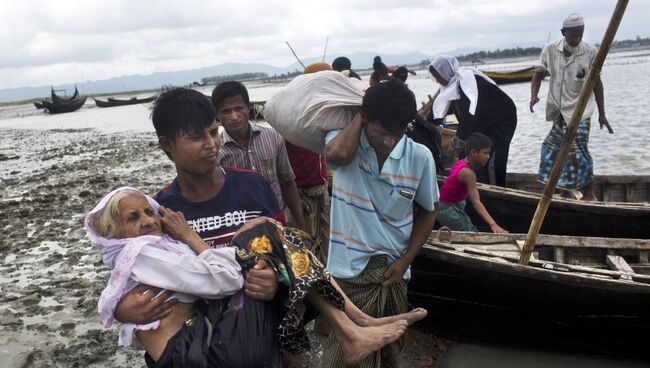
pixel 366 340
pixel 411 317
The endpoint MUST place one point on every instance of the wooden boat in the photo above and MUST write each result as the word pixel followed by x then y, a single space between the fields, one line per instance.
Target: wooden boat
pixel 511 76
pixel 609 188
pixel 111 102
pixel 513 209
pixel 39 105
pixel 587 295
pixel 57 99
pixel 67 106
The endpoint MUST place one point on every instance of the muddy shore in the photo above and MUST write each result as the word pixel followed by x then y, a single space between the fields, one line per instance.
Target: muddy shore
pixel 50 276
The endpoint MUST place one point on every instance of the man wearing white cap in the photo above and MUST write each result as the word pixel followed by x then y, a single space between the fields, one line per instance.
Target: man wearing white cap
pixel 568 61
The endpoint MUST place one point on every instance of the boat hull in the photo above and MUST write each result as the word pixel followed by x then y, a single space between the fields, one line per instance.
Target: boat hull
pixel 473 299
pixel 112 102
pixel 62 107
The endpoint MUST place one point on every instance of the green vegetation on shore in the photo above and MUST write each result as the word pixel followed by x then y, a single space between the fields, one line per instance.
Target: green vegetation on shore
pixel 519 52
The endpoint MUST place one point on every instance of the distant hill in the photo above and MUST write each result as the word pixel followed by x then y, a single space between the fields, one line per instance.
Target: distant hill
pixel 121 84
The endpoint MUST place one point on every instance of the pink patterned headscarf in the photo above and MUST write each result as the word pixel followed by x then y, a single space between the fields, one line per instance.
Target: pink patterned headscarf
pixel 119 255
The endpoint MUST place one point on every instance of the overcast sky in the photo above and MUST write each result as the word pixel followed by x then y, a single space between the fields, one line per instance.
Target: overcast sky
pixel 64 41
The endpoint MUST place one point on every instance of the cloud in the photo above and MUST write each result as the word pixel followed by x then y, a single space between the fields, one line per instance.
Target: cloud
pixel 61 41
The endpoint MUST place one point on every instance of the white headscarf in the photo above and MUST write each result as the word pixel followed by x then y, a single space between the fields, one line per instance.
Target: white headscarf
pixel 463 77
pixel 119 255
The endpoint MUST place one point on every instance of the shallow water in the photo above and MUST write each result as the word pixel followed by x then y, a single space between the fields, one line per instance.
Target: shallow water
pixel 625 75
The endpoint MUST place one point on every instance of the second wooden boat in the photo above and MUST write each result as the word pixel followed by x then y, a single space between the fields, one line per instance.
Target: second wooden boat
pixel 513 210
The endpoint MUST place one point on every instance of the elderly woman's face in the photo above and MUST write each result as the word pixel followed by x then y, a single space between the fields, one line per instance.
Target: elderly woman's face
pixel 137 217
pixel 442 81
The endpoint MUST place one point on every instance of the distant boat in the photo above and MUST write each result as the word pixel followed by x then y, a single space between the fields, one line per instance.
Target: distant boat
pixel 112 102
pixel 511 76
pixel 66 106
pixel 57 99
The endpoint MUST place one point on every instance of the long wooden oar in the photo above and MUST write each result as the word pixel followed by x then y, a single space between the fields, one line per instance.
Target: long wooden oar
pixel 427 106
pixel 572 128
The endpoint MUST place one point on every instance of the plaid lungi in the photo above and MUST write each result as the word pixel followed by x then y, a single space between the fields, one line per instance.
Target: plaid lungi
pixel 578 170
pixel 318 208
pixel 376 300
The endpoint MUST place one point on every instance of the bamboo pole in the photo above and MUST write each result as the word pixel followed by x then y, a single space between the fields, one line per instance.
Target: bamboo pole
pixel 572 128
pixel 325 51
pixel 294 54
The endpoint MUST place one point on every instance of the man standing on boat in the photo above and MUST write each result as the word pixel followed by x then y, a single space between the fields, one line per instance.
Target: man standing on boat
pixel 568 61
pixel 383 200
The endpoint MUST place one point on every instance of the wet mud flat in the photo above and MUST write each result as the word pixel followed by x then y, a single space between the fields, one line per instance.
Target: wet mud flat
pixel 50 276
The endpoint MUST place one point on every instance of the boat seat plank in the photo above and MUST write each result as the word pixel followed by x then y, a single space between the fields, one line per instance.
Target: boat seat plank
pixel 549 240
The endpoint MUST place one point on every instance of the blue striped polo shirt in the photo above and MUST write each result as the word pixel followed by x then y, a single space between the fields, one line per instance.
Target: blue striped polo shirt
pixel 372 211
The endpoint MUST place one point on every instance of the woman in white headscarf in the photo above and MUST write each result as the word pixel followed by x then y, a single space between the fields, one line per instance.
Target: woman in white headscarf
pixel 480 106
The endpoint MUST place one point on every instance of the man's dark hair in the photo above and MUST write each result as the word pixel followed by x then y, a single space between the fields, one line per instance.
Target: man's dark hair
pixel 341 63
pixel 228 89
pixel 181 110
pixel 477 141
pixel 391 104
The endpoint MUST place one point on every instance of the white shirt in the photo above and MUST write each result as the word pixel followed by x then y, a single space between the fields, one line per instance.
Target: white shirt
pixel 213 274
pixel 567 78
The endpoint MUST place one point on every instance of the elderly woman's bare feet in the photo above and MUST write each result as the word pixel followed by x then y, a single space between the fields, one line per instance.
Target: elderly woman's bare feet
pixel 366 340
pixel 410 317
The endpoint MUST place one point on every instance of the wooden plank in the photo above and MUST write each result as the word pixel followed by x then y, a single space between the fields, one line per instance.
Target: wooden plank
pixel 618 263
pixel 643 256
pixel 548 240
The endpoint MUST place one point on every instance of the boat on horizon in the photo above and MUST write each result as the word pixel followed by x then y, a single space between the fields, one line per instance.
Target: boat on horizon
pixel 112 102
pixel 511 76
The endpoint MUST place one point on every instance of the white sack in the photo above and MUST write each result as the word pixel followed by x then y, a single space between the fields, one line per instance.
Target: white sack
pixel 312 105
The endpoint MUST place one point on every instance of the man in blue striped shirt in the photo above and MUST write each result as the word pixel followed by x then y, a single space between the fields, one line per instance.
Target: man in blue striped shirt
pixel 383 201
